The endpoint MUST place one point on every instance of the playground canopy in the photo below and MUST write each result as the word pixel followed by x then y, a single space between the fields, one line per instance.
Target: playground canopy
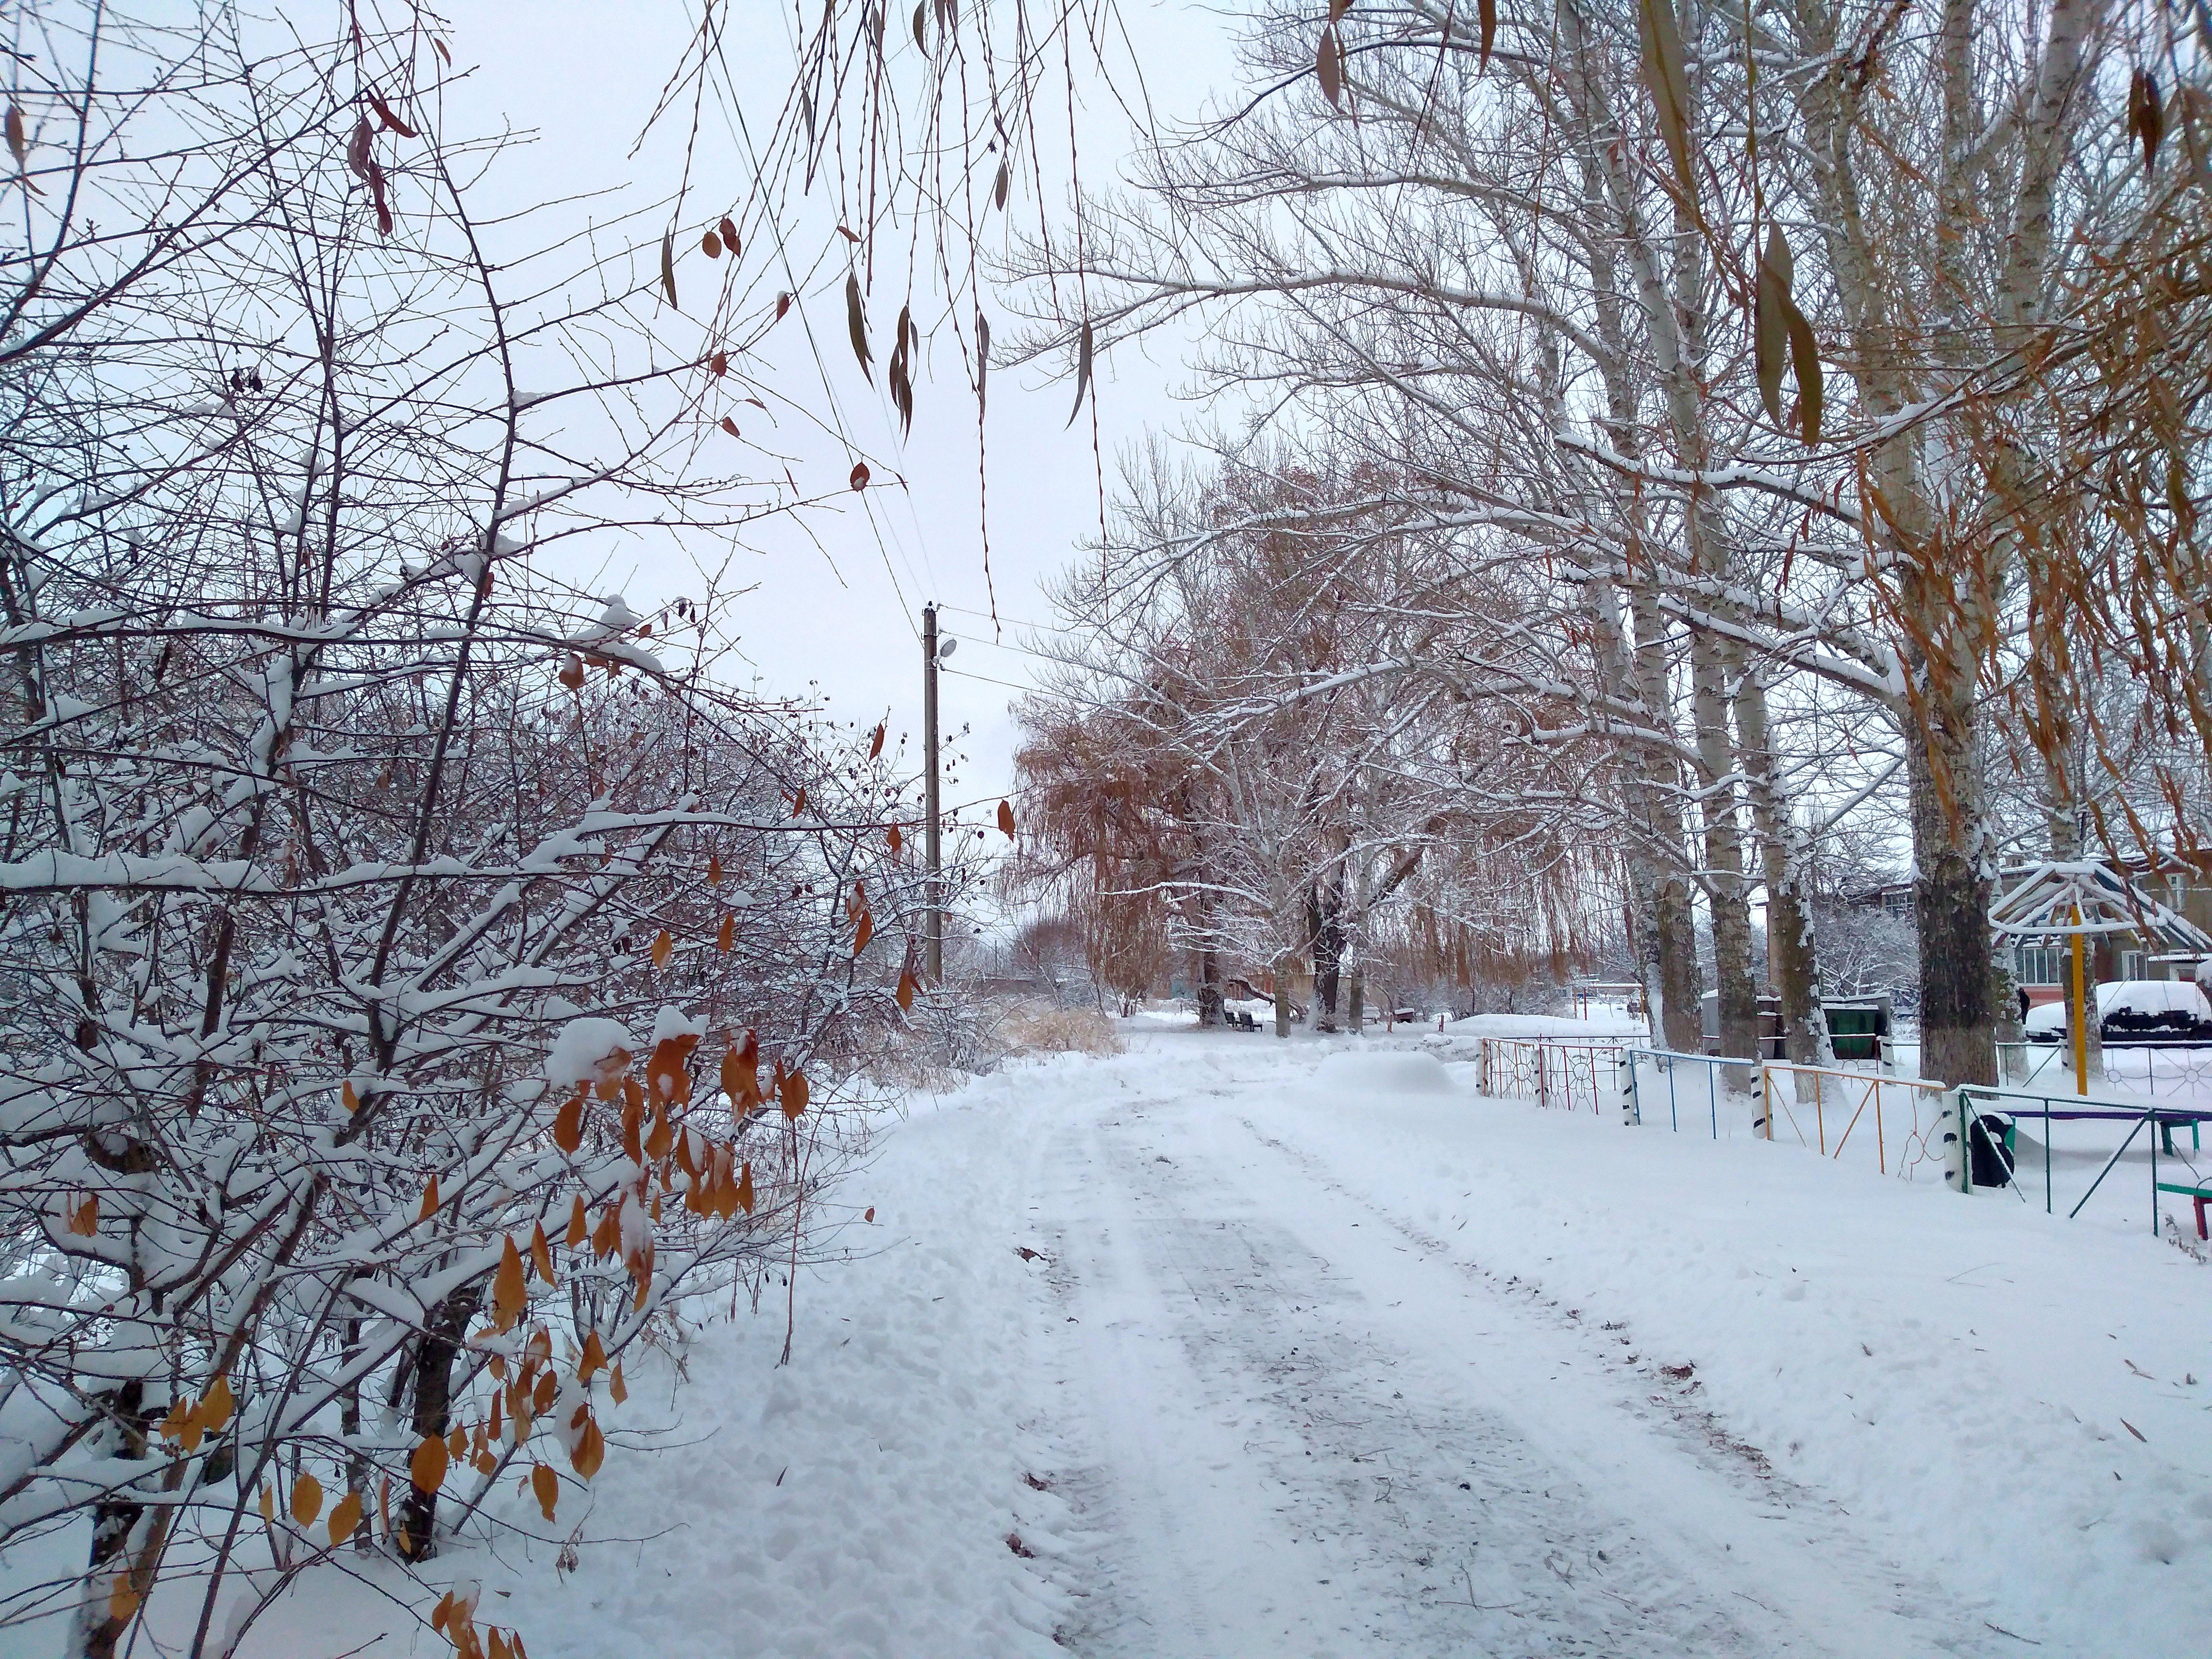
pixel 2065 899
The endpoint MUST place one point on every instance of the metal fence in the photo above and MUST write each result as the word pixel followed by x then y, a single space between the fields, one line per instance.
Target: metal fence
pixel 2185 1173
pixel 1860 1116
pixel 2179 1068
pixel 1845 1115
pixel 1827 1109
pixel 1573 1073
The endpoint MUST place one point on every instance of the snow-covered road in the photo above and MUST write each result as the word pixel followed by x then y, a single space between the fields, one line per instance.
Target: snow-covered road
pixel 1288 1424
pixel 1226 1346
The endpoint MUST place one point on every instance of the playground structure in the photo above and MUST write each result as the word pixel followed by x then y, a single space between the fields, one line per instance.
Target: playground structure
pixel 2069 902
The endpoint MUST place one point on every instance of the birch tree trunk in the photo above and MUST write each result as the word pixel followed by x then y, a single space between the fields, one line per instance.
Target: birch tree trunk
pixel 1666 941
pixel 1793 957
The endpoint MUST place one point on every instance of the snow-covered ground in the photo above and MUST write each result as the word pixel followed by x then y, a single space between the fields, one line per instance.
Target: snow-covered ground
pixel 1320 1353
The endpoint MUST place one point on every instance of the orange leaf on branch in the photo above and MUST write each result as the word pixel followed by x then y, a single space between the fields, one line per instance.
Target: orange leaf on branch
pixel 427 1468
pixel 509 1296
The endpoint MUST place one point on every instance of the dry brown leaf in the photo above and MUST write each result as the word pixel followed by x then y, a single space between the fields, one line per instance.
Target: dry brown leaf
pixel 427 1468
pixel 307 1498
pixel 590 1449
pixel 568 1123
pixel 668 265
pixel 1805 365
pixel 216 1407
pixel 391 122
pixel 345 1518
pixel 508 1293
pixel 2146 116
pixel 856 321
pixel 1007 819
pixel 664 946
pixel 1328 67
pixel 1769 325
pixel 545 1486
pixel 1082 370
pixel 1669 84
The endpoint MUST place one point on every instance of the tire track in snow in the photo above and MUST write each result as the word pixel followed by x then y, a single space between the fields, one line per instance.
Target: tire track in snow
pixel 1272 1454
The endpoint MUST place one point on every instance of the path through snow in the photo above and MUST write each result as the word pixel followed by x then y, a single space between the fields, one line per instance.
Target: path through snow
pixel 1331 1357
pixel 1292 1426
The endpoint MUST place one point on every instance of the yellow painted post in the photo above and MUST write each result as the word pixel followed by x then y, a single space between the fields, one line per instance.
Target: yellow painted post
pixel 2081 1014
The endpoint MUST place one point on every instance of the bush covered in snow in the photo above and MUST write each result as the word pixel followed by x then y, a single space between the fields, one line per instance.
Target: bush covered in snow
pixel 420 975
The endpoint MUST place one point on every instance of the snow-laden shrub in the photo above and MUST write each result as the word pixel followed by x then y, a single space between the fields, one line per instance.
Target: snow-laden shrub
pixel 418 976
pixel 1045 1029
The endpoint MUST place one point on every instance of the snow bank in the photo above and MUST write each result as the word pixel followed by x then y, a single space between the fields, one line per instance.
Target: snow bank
pixel 855 1503
pixel 2021 1398
pixel 1382 1071
pixel 1545 1025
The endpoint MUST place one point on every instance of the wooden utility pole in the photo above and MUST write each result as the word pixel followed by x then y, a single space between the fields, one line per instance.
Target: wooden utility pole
pixel 934 927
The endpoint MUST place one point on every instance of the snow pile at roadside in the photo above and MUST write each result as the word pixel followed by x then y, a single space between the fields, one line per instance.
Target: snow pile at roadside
pixel 1383 1072
pixel 1554 1026
pixel 2026 1401
pixel 855 1504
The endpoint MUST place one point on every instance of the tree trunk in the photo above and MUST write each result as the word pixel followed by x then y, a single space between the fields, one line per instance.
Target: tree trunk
pixel 1951 897
pixel 1325 921
pixel 1355 1012
pixel 434 1350
pixel 1727 897
pixel 1793 957
pixel 1209 987
pixel 1282 1004
pixel 357 1464
pixel 112 1523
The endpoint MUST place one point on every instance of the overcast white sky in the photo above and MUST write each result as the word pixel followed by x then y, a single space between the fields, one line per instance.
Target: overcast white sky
pixel 846 613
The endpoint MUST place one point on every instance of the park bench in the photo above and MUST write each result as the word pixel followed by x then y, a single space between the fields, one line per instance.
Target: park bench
pixel 2199 1196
